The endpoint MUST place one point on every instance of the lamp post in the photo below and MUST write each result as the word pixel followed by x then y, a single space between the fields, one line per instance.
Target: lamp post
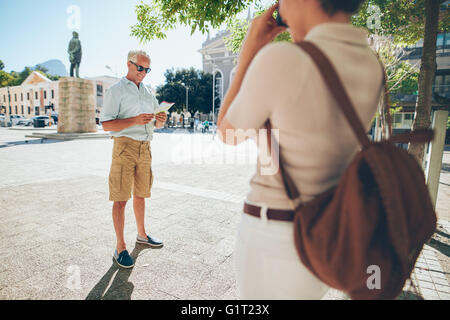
pixel 110 69
pixel 8 114
pixel 187 99
pixel 187 95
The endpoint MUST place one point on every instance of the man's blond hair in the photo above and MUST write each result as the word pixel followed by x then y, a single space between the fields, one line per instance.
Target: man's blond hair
pixel 132 55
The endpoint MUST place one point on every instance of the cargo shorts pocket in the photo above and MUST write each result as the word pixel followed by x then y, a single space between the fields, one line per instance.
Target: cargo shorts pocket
pixel 151 178
pixel 115 179
pixel 119 148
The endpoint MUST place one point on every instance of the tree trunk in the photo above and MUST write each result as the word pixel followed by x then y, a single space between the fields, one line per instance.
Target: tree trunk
pixel 422 119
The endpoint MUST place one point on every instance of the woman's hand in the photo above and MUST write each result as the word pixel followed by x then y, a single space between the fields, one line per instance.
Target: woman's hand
pixel 262 31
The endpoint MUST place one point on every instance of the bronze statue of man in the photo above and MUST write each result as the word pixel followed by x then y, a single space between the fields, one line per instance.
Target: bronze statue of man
pixel 74 54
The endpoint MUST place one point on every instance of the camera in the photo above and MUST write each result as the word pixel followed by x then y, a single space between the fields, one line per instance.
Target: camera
pixel 279 19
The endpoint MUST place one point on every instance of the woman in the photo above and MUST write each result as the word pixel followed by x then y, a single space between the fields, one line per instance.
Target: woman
pixel 280 82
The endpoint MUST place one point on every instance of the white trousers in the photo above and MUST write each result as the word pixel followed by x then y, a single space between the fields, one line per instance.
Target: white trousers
pixel 267 264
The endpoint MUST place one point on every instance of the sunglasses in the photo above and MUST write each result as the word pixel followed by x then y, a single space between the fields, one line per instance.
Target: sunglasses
pixel 141 68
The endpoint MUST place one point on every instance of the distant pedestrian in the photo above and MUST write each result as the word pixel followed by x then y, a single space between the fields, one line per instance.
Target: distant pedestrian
pixel 280 82
pixel 206 125
pixel 128 112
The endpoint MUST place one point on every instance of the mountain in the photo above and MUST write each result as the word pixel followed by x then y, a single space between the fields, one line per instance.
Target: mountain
pixel 55 67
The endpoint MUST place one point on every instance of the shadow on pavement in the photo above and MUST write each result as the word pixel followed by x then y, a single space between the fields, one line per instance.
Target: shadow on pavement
pixel 121 288
pixel 440 246
pixel 31 141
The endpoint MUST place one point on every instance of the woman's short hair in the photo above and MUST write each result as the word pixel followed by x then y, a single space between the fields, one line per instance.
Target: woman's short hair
pixel 348 6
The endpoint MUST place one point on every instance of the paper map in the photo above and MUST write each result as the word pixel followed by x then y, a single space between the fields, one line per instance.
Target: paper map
pixel 164 107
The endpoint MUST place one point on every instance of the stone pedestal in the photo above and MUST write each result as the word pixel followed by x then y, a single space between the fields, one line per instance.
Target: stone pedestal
pixel 76 111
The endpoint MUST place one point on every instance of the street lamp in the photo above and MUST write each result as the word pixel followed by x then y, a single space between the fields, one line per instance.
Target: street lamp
pixel 8 114
pixel 187 95
pixel 110 69
pixel 187 99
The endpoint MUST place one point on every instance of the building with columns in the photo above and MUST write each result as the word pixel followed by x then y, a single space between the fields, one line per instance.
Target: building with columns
pixel 220 62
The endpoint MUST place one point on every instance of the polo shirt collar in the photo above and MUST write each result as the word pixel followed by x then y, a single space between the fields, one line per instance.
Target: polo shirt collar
pixel 125 80
pixel 342 32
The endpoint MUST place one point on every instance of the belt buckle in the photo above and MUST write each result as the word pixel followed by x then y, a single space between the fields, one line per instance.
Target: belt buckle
pixel 263 213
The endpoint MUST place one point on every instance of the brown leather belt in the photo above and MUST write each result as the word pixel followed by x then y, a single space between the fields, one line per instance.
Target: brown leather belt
pixel 272 214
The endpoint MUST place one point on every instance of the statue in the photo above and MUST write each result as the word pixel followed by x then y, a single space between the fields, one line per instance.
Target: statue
pixel 74 54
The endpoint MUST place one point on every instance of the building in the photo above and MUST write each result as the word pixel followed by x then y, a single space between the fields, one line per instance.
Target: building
pixel 38 95
pixel 220 62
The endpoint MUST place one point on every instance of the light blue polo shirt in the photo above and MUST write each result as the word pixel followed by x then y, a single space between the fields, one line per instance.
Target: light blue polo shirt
pixel 125 100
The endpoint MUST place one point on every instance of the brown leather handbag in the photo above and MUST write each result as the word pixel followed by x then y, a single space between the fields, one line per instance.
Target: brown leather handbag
pixel 377 218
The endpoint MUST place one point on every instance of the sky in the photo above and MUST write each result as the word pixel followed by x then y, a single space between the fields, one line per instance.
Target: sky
pixel 33 32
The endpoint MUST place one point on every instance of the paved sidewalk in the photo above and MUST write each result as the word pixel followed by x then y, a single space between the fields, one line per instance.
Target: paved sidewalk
pixel 57 237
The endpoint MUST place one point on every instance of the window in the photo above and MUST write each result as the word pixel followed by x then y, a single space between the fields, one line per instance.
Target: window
pixel 21 97
pixel 440 40
pixel 45 94
pixel 9 109
pixel 53 94
pixel 36 95
pixel 22 110
pixel 4 98
pixel 15 97
pixel 29 110
pixel 28 96
pixel 16 110
pixel 99 90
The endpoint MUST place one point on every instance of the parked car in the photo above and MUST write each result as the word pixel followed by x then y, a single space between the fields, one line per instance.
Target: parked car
pixel 15 118
pixel 25 122
pixel 45 118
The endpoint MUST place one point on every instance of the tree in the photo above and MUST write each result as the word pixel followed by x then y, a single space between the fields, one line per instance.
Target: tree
pixel 409 21
pixel 238 29
pixel 426 77
pixel 154 19
pixel 14 78
pixel 199 88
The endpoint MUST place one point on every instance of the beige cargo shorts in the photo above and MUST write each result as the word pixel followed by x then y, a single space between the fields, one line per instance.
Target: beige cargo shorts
pixel 130 169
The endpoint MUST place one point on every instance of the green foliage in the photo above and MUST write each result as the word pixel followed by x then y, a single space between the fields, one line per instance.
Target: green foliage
pixel 238 29
pixel 199 93
pixel 402 19
pixel 159 16
pixel 14 78
pixel 2 65
pixel 5 79
pixel 403 79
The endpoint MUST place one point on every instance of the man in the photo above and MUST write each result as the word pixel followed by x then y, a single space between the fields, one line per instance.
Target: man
pixel 128 112
pixel 74 51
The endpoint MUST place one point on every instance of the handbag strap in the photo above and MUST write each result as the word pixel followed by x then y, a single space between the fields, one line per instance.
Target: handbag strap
pixel 336 87
pixel 334 84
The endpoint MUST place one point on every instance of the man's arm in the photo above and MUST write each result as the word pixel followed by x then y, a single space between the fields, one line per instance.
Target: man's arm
pixel 120 124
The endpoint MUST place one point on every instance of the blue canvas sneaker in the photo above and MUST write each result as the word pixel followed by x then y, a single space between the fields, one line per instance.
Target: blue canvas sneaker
pixel 150 241
pixel 123 259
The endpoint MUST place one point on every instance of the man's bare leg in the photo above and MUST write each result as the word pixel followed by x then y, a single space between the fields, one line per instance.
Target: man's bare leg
pixel 118 214
pixel 139 212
